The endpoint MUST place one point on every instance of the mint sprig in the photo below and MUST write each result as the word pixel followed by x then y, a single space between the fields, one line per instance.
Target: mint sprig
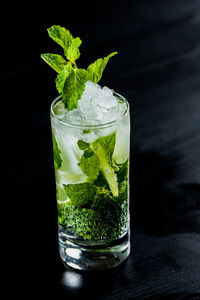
pixel 70 81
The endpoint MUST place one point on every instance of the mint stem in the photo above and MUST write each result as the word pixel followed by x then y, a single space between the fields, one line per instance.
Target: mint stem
pixel 74 65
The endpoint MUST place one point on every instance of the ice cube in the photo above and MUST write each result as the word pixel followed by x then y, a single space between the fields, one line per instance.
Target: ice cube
pixel 70 153
pixel 121 151
pixel 106 99
pixel 63 177
pixel 74 116
pixel 98 104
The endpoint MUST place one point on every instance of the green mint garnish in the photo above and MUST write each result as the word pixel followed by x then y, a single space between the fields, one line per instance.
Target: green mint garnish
pixel 70 81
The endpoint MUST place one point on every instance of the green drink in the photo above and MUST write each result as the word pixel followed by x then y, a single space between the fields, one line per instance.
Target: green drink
pixel 91 159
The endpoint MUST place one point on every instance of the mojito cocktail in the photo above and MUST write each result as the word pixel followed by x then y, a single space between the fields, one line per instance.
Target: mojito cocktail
pixel 90 133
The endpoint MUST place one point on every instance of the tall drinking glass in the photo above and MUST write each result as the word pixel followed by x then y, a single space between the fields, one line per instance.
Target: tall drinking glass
pixel 92 189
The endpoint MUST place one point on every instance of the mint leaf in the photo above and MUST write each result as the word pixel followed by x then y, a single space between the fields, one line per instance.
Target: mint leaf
pixel 108 144
pixel 73 88
pixel 88 153
pixel 97 159
pixel 72 52
pixel 62 77
pixel 122 174
pixel 86 131
pixel 56 61
pixel 107 170
pixel 90 165
pixel 57 154
pixel 89 162
pixel 95 70
pixel 103 148
pixel 83 145
pixel 64 38
pixel 80 194
pixel 60 35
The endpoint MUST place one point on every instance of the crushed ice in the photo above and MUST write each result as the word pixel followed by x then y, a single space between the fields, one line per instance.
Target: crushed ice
pixel 96 106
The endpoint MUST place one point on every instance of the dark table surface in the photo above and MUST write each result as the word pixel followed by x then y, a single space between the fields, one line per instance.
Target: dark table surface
pixel 158 71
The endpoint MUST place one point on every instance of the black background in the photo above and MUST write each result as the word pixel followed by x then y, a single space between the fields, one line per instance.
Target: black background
pixel 158 71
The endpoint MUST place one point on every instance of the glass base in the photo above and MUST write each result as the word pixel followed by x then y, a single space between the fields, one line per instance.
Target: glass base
pixel 93 257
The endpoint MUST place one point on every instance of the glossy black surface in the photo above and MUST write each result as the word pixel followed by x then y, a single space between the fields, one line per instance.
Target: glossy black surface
pixel 158 71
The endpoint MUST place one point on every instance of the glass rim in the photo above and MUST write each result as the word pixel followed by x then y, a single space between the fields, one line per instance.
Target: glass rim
pixel 96 126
